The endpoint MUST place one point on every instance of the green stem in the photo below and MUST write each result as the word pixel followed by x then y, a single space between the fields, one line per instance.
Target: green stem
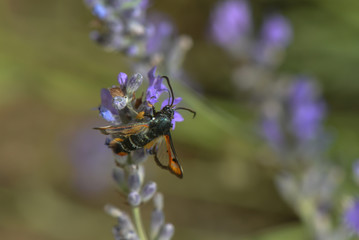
pixel 138 222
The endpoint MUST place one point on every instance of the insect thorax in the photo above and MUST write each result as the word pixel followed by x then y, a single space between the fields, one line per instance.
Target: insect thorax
pixel 160 125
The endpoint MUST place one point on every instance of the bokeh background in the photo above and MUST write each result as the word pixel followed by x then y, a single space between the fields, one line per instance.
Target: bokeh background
pixel 55 172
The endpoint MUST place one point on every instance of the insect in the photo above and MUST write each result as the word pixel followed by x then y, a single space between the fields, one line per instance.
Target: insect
pixel 149 135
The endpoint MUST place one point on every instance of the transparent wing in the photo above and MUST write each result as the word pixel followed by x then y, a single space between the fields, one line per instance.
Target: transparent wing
pixel 125 130
pixel 165 155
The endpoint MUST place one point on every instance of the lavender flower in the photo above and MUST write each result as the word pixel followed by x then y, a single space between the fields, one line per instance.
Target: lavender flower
pixel 177 117
pixel 106 109
pixel 124 229
pixel 275 36
pixel 124 21
pixel 126 27
pixel 155 88
pixel 307 110
pixel 148 191
pixel 89 160
pixel 276 31
pixel 230 22
pixel 166 232
pixel 159 33
pixel 159 229
pixel 351 216
pixel 119 106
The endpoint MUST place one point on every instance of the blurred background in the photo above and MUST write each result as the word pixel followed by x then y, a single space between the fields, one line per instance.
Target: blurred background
pixel 55 172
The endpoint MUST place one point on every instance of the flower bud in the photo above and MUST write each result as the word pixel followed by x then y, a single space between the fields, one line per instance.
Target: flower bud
pixel 157 220
pixel 139 156
pixel 134 199
pixel 134 83
pixel 133 181
pixel 148 191
pixel 166 232
pixel 158 201
pixel 118 175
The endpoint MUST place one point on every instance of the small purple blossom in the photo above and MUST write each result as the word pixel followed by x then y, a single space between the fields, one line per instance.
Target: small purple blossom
pixel 276 31
pixel 176 117
pixel 351 216
pixel 99 10
pixel 118 97
pixel 155 88
pixel 307 110
pixel 230 21
pixel 84 148
pixel 106 109
pixel 159 30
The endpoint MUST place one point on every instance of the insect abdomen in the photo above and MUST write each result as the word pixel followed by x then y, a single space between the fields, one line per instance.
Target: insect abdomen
pixel 126 145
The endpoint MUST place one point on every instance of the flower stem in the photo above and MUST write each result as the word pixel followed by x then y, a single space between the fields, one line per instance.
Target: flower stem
pixel 138 222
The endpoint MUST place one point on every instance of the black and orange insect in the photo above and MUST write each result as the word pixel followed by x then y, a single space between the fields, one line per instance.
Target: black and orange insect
pixel 149 135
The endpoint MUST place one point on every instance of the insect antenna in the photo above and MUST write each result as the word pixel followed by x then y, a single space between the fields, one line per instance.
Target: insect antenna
pixel 187 109
pixel 169 85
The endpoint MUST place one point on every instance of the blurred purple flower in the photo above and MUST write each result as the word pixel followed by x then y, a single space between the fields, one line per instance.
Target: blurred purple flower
pixel 272 132
pixel 351 217
pixel 176 117
pixel 99 10
pixel 86 149
pixel 307 110
pixel 276 31
pixel 230 21
pixel 106 109
pixel 155 88
pixel 159 30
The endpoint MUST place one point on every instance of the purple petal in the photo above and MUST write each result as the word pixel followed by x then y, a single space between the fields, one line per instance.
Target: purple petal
pixel 231 20
pixel 177 101
pixel 165 103
pixel 178 117
pixel 158 83
pixel 106 100
pixel 106 114
pixel 158 33
pixel 151 75
pixel 351 217
pixel 277 31
pixel 122 79
pixel 99 10
pixel 308 110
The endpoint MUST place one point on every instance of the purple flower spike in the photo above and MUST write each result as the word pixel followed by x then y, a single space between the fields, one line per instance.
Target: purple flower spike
pixel 159 30
pixel 231 21
pixel 155 88
pixel 351 217
pixel 277 31
pixel 307 110
pixel 107 111
pixel 176 117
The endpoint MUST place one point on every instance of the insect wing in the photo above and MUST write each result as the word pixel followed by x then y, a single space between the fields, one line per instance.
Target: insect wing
pixel 165 154
pixel 126 130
